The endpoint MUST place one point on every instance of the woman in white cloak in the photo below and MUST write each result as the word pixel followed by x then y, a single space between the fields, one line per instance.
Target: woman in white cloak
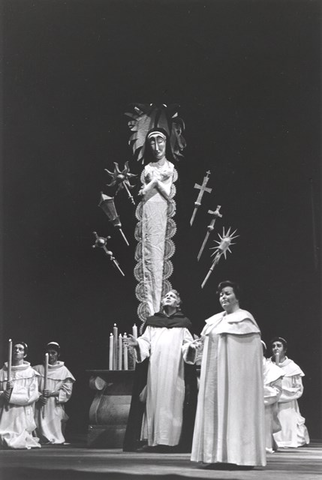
pixel 230 418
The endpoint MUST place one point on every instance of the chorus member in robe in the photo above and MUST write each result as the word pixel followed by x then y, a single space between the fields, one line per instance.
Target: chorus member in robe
pixel 230 418
pixel 293 430
pixel 50 412
pixel 166 394
pixel 156 226
pixel 272 391
pixel 17 400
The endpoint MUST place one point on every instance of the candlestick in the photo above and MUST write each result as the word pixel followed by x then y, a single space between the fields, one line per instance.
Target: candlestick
pixel 119 365
pixel 9 366
pixel 45 380
pixel 277 359
pixel 110 352
pixel 126 360
pixel 46 371
pixel 135 331
pixel 115 337
pixel 9 359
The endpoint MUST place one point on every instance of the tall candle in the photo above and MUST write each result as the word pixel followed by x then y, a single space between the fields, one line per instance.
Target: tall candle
pixel 46 371
pixel 45 380
pixel 9 359
pixel 120 352
pixel 125 351
pixel 115 337
pixel 110 352
pixel 277 359
pixel 135 331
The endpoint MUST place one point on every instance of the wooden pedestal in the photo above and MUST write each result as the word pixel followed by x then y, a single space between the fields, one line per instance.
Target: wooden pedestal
pixel 110 407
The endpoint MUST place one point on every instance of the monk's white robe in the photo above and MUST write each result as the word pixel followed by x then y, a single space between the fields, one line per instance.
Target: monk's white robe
pixel 51 418
pixel 162 423
pixel 230 418
pixel 17 419
pixel 272 375
pixel 293 432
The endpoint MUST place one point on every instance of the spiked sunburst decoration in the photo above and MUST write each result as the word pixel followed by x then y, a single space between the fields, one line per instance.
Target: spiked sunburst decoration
pixel 226 240
pixel 121 179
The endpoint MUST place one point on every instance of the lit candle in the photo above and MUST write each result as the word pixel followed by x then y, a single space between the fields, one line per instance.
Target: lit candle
pixel 120 352
pixel 9 360
pixel 110 352
pixel 135 331
pixel 126 361
pixel 115 337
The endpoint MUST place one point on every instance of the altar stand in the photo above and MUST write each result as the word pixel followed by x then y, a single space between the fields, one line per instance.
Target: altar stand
pixel 109 410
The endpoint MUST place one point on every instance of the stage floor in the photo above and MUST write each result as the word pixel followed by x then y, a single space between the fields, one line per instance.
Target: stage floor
pixel 77 462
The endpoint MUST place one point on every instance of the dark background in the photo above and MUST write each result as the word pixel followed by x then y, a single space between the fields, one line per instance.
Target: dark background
pixel 247 77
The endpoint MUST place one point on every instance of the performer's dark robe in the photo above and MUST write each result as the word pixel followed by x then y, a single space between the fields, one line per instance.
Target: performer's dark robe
pixel 133 432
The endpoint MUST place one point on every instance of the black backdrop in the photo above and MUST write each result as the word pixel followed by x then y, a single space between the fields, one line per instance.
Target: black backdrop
pixel 247 77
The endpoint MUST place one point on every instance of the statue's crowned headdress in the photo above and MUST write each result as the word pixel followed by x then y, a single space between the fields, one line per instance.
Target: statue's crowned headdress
pixel 144 118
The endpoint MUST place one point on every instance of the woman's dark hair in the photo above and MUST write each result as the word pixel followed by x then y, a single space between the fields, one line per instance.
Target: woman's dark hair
pixel 279 339
pixel 53 346
pixel 148 153
pixel 233 285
